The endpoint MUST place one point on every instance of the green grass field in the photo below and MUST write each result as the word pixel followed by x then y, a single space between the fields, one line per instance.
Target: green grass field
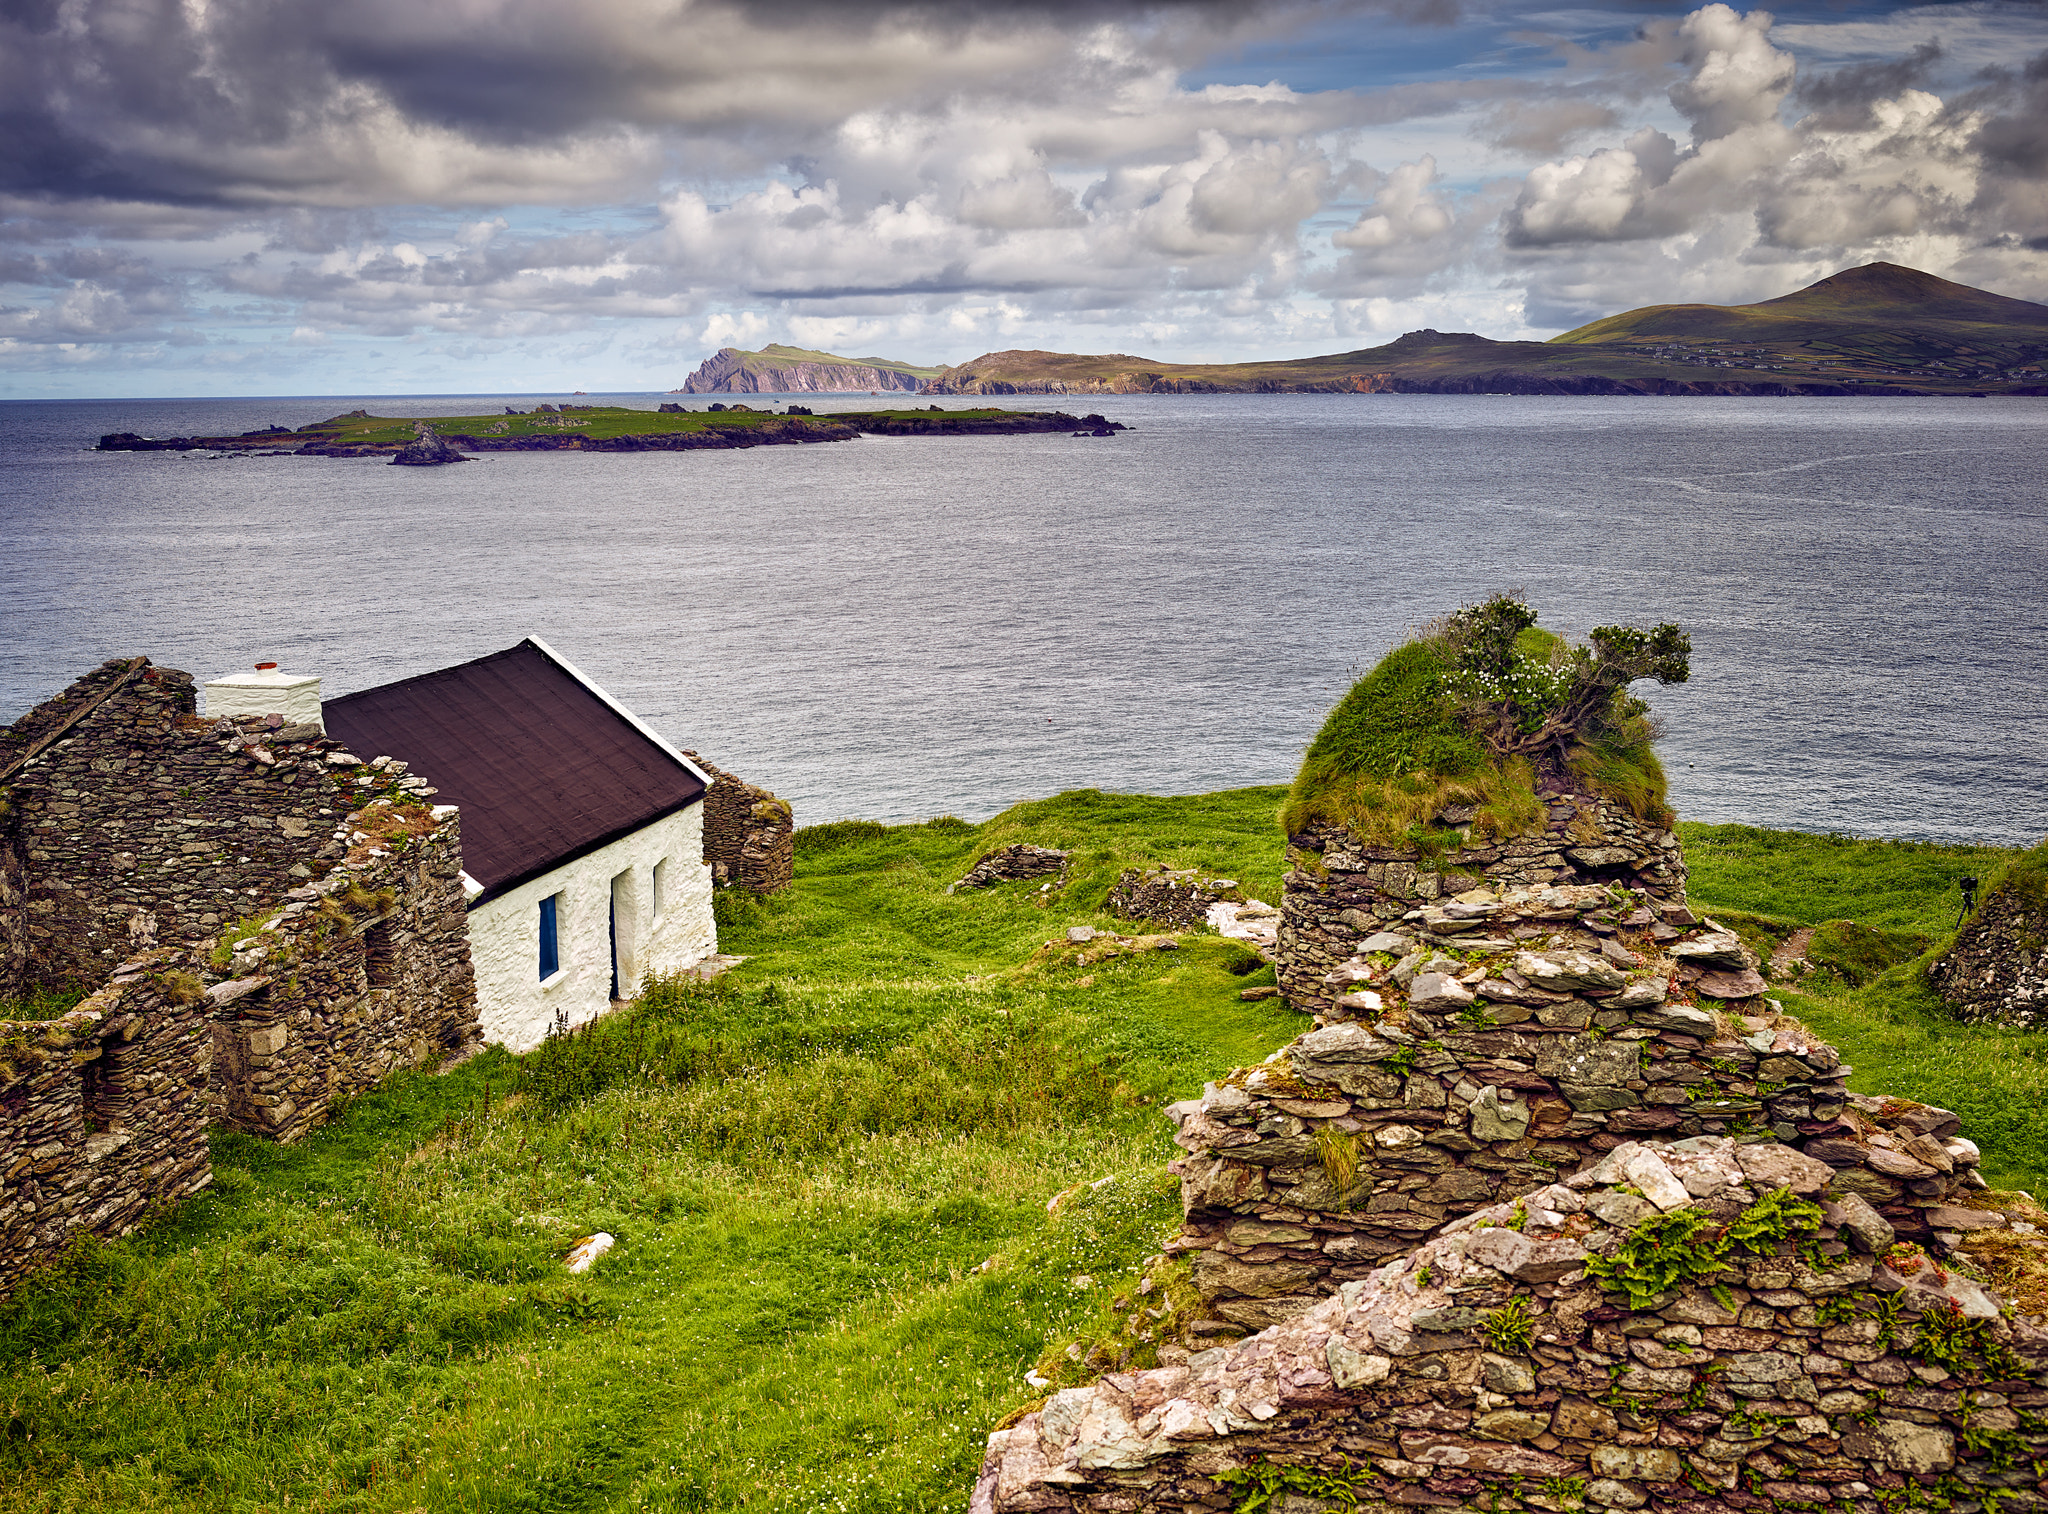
pixel 829 1177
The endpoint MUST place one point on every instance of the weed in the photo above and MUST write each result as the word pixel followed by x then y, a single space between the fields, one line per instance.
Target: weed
pixel 1338 1151
pixel 1510 1329
pixel 1263 1485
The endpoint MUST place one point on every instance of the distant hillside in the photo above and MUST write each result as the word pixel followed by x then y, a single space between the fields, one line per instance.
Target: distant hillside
pixel 1879 329
pixel 776 369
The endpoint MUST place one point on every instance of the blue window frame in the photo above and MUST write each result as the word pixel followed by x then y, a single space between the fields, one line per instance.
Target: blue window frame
pixel 550 948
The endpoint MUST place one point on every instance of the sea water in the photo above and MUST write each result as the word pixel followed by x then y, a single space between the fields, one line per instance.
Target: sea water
pixel 898 628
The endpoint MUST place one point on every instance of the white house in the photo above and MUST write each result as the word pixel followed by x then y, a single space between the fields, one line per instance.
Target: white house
pixel 582 828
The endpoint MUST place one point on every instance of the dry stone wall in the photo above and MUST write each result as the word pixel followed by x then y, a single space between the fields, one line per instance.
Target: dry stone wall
pixel 359 974
pixel 1996 972
pixel 103 1111
pixel 1340 889
pixel 274 924
pixel 749 834
pixel 1485 1045
pixel 146 825
pixel 1793 1360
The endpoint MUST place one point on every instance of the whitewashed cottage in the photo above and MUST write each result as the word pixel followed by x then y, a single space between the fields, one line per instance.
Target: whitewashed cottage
pixel 582 828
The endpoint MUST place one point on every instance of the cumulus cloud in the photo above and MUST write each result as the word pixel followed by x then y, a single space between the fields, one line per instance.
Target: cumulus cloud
pixel 1785 176
pixel 691 173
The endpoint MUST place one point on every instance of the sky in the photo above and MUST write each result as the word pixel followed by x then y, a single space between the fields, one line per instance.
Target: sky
pixel 203 197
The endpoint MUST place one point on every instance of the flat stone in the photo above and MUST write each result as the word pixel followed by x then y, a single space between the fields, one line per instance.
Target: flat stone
pixel 1952 1217
pixel 1896 1164
pixel 1567 971
pixel 1636 1463
pixel 1507 1374
pixel 1772 1166
pixel 1351 1368
pixel 1647 1171
pixel 1512 1424
pixel 1746 984
pixel 1434 993
pixel 1916 1449
pixel 1871 1231
pixel 1494 1119
pixel 1719 950
pixel 1679 1019
pixel 1385 941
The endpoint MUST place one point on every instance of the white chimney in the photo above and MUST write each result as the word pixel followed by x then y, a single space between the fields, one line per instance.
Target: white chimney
pixel 295 696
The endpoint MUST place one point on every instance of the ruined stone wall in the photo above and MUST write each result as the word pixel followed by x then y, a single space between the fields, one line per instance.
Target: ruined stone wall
pixel 1996 972
pixel 749 834
pixel 103 1111
pixel 1810 1365
pixel 1171 896
pixel 1489 1043
pixel 359 974
pixel 1340 890
pixel 145 825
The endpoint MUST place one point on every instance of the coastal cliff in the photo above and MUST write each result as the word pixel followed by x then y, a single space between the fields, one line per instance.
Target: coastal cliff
pixel 776 369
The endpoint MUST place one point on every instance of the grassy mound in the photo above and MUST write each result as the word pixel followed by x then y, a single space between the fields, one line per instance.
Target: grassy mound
pixel 1462 716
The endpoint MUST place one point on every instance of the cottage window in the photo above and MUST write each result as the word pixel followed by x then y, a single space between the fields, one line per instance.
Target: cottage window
pixel 550 939
pixel 660 886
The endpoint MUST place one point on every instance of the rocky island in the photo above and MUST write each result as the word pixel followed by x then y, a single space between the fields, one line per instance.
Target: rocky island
pixel 604 428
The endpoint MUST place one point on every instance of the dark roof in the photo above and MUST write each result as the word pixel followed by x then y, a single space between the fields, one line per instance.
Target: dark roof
pixel 544 766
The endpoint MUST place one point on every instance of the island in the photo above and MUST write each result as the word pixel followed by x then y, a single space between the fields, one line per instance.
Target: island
pixel 777 369
pixel 605 428
pixel 1876 330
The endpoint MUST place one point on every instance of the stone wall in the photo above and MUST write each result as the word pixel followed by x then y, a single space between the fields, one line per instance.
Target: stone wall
pixel 1488 1044
pixel 273 924
pixel 1811 1366
pixel 103 1111
pixel 749 834
pixel 1340 890
pixel 357 975
pixel 146 825
pixel 1996 971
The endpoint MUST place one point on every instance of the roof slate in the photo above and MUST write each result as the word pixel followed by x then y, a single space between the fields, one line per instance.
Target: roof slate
pixel 544 768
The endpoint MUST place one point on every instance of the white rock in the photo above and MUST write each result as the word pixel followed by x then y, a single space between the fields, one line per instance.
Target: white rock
pixel 588 1250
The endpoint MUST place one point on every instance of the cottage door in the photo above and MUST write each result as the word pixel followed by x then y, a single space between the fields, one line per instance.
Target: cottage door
pixel 612 925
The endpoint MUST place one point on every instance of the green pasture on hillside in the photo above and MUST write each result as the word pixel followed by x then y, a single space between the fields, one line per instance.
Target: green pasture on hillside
pixel 829 1176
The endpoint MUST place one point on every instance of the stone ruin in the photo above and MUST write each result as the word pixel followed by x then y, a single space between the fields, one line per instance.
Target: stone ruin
pixel 1530 1061
pixel 1180 897
pixel 272 924
pixel 1010 863
pixel 749 834
pixel 1995 972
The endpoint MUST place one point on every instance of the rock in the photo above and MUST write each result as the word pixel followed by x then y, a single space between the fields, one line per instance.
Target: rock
pixel 1679 1019
pixel 1013 862
pixel 1624 1211
pixel 427 450
pixel 1614 1495
pixel 1264 1313
pixel 587 1251
pixel 1771 1166
pixel 1438 994
pixel 1512 1424
pixel 1723 949
pixel 1636 1463
pixel 1951 1217
pixel 1495 1120
pixel 1896 1164
pixel 1080 933
pixel 1916 1449
pixel 1647 1171
pixel 1216 1273
pixel 1350 1368
pixel 1386 941
pixel 1566 971
pixel 1507 1374
pixel 1871 1231
pixel 1745 984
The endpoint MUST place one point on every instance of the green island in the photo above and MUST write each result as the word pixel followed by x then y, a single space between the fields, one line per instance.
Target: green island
pixel 612 428
pixel 830 1173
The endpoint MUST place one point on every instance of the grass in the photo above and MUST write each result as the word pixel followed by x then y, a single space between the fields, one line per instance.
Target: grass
pixel 1399 748
pixel 807 1168
pixel 1891 905
pixel 829 1175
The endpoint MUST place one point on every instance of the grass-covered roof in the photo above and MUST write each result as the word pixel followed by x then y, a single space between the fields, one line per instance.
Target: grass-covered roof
pixel 1479 709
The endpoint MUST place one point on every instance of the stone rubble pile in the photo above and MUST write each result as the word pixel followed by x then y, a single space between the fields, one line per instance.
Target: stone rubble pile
pixel 1813 1364
pixel 1996 971
pixel 1179 897
pixel 1010 863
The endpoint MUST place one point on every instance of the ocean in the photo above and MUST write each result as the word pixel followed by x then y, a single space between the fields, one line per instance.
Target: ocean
pixel 900 628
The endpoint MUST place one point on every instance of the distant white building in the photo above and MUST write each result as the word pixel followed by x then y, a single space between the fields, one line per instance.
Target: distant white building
pixel 582 828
